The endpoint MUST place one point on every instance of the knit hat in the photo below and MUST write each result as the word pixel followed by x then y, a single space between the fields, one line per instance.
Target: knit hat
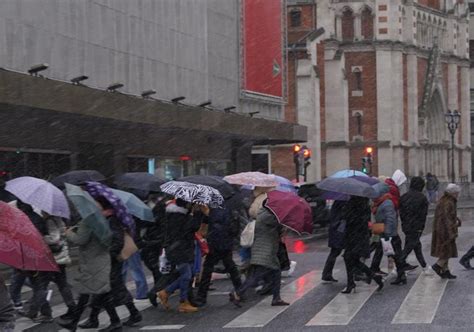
pixel 453 188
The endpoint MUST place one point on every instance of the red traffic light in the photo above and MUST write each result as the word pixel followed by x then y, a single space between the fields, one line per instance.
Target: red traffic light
pixel 369 149
pixel 296 148
pixel 307 153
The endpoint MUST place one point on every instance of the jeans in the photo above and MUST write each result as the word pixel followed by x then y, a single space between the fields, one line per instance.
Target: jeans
pixel 260 273
pixel 135 265
pixel 330 262
pixel 412 242
pixel 432 196
pixel 19 279
pixel 185 275
pixel 211 260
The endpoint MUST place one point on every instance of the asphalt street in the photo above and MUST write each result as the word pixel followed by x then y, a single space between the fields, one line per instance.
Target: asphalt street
pixel 426 303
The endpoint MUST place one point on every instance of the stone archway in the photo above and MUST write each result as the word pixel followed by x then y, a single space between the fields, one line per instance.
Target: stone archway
pixel 434 138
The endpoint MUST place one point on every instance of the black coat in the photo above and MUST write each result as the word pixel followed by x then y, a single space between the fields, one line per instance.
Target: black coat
pixel 222 229
pixel 357 237
pixel 337 225
pixel 180 229
pixel 413 211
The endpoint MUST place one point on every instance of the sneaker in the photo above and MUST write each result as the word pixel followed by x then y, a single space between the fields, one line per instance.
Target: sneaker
pixel 187 307
pixel 164 296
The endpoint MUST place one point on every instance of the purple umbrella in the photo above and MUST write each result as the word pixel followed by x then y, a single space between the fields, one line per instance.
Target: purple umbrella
pixel 40 194
pixel 343 197
pixel 96 189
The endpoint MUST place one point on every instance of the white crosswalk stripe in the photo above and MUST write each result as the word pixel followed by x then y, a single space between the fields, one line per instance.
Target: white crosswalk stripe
pixel 343 307
pixel 422 302
pixel 262 313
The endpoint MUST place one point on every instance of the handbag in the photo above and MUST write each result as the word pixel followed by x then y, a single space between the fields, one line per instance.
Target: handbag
pixel 282 254
pixel 202 242
pixel 248 235
pixel 378 228
pixel 387 247
pixel 129 247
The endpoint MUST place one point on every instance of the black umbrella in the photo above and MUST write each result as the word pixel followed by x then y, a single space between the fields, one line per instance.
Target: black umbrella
pixel 77 178
pixel 213 181
pixel 139 180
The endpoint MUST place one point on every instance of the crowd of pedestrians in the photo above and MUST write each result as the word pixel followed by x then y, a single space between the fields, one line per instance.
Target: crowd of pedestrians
pixel 185 241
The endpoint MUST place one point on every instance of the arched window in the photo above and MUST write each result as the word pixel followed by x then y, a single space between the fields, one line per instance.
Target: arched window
pixel 347 25
pixel 367 21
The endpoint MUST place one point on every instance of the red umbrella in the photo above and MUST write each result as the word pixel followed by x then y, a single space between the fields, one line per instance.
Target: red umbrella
pixel 21 245
pixel 291 211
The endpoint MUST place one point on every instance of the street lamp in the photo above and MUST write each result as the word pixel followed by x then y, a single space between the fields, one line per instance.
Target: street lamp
pixel 452 119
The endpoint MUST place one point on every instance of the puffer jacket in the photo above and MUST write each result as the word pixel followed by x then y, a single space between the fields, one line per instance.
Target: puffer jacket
pixel 386 213
pixel 266 240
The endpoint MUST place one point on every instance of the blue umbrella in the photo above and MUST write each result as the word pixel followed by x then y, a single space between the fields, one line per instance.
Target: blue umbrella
pixel 347 173
pixel 87 207
pixel 348 186
pixel 285 185
pixel 344 197
pixel 134 205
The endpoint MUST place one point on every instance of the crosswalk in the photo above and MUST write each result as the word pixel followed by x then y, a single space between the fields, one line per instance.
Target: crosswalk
pixel 419 306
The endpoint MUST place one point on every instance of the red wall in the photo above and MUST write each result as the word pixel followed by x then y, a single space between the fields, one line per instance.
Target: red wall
pixel 263 46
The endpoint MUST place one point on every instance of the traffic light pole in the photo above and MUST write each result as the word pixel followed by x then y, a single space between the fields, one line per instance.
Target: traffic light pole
pixel 297 166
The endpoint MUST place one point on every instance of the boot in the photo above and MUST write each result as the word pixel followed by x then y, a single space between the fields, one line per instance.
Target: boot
pixel 438 270
pixel 93 321
pixel 69 314
pixel 153 299
pixel 164 296
pixel 447 275
pixel 135 316
pixel 401 280
pixel 185 306
pixel 464 261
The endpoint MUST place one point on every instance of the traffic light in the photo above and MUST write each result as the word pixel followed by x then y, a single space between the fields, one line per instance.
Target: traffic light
pixel 364 165
pixel 296 153
pixel 367 160
pixel 307 162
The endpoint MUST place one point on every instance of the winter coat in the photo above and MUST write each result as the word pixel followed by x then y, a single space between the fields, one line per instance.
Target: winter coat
pixel 94 261
pixel 337 225
pixel 222 231
pixel 7 312
pixel 266 240
pixel 445 228
pixel 56 240
pixel 432 183
pixel 180 229
pixel 394 193
pixel 414 207
pixel 357 237
pixel 386 213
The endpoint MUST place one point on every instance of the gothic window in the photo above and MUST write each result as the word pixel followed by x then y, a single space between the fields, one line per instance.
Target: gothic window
pixel 357 79
pixel 347 25
pixel 367 21
pixel 295 18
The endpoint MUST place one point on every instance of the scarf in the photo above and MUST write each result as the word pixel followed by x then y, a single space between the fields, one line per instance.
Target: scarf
pixel 379 201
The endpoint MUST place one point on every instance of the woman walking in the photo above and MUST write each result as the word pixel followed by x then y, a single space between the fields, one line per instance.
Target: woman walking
pixel 357 242
pixel 445 231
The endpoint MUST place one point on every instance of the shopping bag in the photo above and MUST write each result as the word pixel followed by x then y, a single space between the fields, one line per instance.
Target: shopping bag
pixel 129 247
pixel 165 265
pixel 387 247
pixel 248 235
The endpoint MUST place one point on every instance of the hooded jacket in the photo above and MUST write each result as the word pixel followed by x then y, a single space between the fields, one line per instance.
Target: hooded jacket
pixel 414 207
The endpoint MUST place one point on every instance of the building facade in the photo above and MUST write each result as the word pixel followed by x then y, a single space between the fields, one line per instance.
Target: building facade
pixel 382 75
pixel 178 48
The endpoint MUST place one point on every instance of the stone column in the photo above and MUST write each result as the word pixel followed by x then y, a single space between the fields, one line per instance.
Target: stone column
pixel 412 102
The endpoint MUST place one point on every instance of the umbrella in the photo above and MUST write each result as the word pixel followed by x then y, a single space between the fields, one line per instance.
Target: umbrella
pixel 285 185
pixel 194 193
pixel 77 178
pixel 134 205
pixel 347 173
pixel 291 211
pixel 215 182
pixel 21 245
pixel 87 208
pixel 344 197
pixel 139 180
pixel 96 190
pixel 255 179
pixel 348 186
pixel 40 194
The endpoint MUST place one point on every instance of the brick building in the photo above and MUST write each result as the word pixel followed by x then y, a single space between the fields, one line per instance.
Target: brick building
pixel 383 74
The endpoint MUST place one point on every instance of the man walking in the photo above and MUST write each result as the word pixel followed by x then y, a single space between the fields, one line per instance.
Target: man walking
pixel 432 186
pixel 413 213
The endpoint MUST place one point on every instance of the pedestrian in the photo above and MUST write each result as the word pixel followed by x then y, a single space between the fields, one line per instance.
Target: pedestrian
pixel 413 213
pixel 120 293
pixel 466 259
pixel 264 261
pixel 57 242
pixel 220 238
pixel 357 242
pixel 384 212
pixel 182 221
pixel 432 187
pixel 7 311
pixel 94 276
pixel 337 229
pixel 445 231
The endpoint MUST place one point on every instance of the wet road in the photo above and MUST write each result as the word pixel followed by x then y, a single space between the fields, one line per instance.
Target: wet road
pixel 426 303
